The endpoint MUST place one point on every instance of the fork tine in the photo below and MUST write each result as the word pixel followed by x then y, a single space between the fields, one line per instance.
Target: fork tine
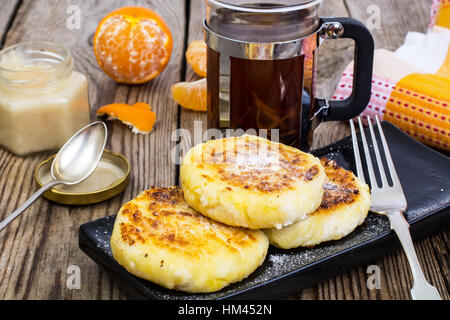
pixel 373 180
pixel 377 154
pixel 392 171
pixel 359 169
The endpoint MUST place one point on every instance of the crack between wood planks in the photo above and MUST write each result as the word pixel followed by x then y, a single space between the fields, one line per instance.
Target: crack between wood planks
pixel 347 7
pixel 183 78
pixel 10 23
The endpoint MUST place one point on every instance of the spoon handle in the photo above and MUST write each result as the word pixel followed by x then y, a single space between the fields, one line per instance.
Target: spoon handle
pixel 28 203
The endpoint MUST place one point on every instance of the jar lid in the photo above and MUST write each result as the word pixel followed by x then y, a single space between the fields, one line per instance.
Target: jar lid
pixel 109 179
pixel 263 21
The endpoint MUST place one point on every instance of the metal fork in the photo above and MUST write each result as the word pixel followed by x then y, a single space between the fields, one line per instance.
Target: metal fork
pixel 390 201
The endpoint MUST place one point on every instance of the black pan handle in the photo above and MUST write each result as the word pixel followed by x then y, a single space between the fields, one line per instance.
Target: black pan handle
pixel 333 28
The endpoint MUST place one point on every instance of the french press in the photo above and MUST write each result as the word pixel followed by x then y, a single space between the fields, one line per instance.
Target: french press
pixel 262 67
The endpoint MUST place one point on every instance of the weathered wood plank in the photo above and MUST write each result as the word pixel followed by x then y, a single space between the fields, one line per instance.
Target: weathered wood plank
pixel 7 15
pixel 396 17
pixel 37 248
pixel 189 118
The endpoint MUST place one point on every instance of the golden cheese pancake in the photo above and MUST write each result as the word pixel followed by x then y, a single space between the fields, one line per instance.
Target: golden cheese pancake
pixel 252 182
pixel 345 204
pixel 158 237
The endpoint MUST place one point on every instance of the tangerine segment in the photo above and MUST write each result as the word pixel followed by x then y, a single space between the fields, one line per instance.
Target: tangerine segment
pixel 133 45
pixel 138 116
pixel 196 57
pixel 191 95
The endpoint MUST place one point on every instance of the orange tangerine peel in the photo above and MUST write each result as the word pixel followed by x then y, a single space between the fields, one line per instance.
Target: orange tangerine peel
pixel 139 116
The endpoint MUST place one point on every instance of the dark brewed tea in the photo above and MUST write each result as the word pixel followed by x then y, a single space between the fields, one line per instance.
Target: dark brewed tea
pixel 267 94
pixel 264 94
pixel 213 96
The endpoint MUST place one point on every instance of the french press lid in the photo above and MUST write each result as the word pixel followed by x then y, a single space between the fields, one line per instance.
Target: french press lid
pixel 264 21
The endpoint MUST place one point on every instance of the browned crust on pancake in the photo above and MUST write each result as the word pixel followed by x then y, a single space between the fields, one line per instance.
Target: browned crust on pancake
pixel 253 165
pixel 340 187
pixel 162 218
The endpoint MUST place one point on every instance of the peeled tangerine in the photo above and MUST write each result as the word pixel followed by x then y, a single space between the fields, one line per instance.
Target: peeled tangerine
pixel 139 116
pixel 133 45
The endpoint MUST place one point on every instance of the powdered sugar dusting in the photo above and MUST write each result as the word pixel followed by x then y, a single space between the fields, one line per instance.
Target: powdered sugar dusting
pixel 277 265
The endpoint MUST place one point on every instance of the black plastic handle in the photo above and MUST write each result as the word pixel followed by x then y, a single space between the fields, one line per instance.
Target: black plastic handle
pixel 363 69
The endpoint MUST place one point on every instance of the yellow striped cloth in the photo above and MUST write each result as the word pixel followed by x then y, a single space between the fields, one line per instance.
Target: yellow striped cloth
pixel 411 86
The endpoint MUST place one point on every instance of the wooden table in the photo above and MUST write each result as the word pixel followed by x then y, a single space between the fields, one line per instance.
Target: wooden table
pixel 37 249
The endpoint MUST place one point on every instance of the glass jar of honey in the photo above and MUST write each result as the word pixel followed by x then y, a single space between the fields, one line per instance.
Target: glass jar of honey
pixel 43 102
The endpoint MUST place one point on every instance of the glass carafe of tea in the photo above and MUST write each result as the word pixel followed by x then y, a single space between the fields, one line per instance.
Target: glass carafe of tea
pixel 262 67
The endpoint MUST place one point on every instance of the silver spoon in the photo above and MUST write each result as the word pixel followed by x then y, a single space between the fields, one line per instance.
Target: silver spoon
pixel 73 164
